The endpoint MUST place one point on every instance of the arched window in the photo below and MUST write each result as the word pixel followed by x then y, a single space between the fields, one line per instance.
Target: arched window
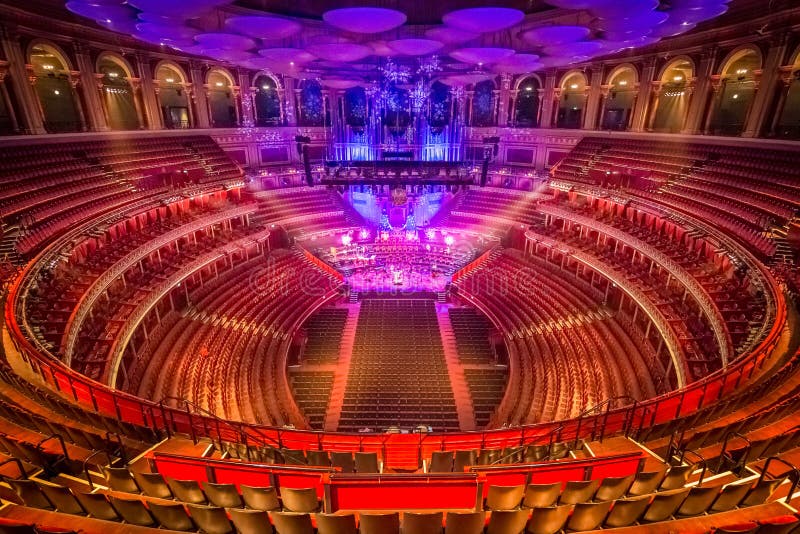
pixel 355 108
pixel 788 125
pixel 672 105
pixel 56 95
pixel 572 102
pixel 483 104
pixel 117 94
pixel 312 104
pixel 172 97
pixel 221 101
pixel 618 105
pixel 268 102
pixel 526 109
pixel 736 93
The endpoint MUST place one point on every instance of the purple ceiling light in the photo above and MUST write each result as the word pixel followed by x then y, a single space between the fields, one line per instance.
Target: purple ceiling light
pixel 99 11
pixel 364 19
pixel 286 55
pixel 561 61
pixel 340 51
pixel 178 8
pixel 483 19
pixel 482 55
pixel 146 16
pixel 580 48
pixel 381 48
pixel 227 41
pixel 556 34
pixel 119 25
pixel 264 27
pixel 167 31
pixel 449 35
pixel 415 47
pixel 693 15
pixel 649 19
pixel 467 79
pixel 518 64
pixel 339 83
pixel 670 28
pixel 185 45
pixel 628 8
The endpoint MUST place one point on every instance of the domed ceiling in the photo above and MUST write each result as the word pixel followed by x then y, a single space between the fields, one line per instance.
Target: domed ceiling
pixel 352 39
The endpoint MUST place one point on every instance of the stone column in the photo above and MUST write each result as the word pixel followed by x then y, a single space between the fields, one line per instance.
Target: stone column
pixel 136 92
pixel 237 103
pixel 149 93
pixel 28 108
pixel 503 96
pixel 288 102
pixel 95 113
pixel 655 91
pixel 784 85
pixel 74 82
pixel 248 117
pixel 640 110
pixel 601 114
pixel 198 96
pixel 7 98
pixel 757 118
pixel 546 97
pixel 700 96
pixel 715 95
pixel 593 99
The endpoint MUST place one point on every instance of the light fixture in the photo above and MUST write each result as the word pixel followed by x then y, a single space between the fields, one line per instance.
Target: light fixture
pixel 291 63
pixel 219 84
pixel 170 80
pixel 48 67
pixel 573 86
pixel 736 96
pixel 56 92
pixel 529 88
pixel 677 78
pixel 113 75
pixel 265 87
pixel 741 71
pixel 624 82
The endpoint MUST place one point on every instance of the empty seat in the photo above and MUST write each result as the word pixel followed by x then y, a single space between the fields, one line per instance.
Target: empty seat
pixel 12 526
pixel 366 462
pixel 665 504
pixel 97 506
pixel 153 485
pixel 778 525
pixel 301 500
pixel 336 524
pixel 699 500
pixel 588 515
pixel 250 521
pixel 627 511
pixel 730 497
pixel 612 488
pixel 441 462
pixel 188 491
pixel 676 477
pixel 371 523
pixel 62 499
pixel 132 511
pixel 464 522
pixel 576 491
pixel 260 498
pixel 343 460
pixel 222 495
pixel 318 458
pixel 647 482
pixel 294 457
pixel 422 523
pixel 292 523
pixel 761 491
pixel 508 521
pixel 171 516
pixel 464 459
pixel 120 479
pixel 747 527
pixel 548 519
pixel 30 493
pixel 539 495
pixel 210 519
pixel 504 497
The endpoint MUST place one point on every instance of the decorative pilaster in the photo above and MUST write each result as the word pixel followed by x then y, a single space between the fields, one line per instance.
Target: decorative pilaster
pixel 640 110
pixel 701 93
pixel 27 101
pixel 785 80
pixel 7 98
pixel 149 93
pixel 593 97
pixel 199 96
pixel 716 94
pixel 767 79
pixel 95 105
pixel 546 97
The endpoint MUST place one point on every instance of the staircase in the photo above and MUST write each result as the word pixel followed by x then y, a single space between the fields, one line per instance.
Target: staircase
pixel 461 393
pixel 334 411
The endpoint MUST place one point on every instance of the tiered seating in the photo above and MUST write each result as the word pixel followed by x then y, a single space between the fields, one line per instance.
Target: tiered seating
pixel 560 336
pixel 226 349
pixel 311 390
pixel 398 376
pixel 305 210
pixel 745 191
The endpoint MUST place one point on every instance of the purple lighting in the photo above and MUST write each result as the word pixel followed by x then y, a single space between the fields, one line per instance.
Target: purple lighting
pixel 483 19
pixel 227 41
pixel 415 47
pixel 340 51
pixel 364 19
pixel 264 27
pixel 482 55
pixel 556 34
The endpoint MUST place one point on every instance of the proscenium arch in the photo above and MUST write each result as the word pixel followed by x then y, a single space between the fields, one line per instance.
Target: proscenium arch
pixel 117 94
pixel 53 87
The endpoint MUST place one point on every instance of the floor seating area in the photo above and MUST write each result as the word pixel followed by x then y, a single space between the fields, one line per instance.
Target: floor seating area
pixel 395 339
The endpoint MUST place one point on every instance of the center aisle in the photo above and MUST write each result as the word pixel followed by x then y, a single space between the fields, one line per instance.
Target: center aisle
pixel 398 374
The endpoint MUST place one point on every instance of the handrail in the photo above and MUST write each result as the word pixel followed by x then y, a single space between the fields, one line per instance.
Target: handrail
pixel 60 440
pixel 792 469
pixel 17 461
pixel 703 462
pixel 722 452
pixel 122 451
pixel 86 465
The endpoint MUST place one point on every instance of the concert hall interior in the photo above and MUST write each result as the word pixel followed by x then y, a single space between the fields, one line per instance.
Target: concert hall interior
pixel 384 266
